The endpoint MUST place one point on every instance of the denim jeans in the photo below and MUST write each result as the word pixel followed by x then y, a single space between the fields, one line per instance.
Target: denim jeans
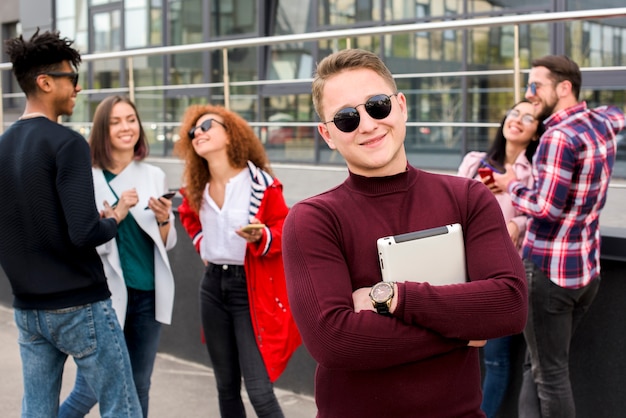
pixel 497 359
pixel 142 332
pixel 232 345
pixel 554 313
pixel 90 334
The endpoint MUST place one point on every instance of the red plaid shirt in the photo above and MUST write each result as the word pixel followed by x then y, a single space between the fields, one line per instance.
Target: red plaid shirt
pixel 572 168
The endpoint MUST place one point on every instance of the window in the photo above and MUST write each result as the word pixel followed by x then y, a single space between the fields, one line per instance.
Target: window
pixel 145 17
pixel 348 12
pixel 233 17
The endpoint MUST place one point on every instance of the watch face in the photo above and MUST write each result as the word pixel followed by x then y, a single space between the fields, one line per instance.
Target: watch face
pixel 382 292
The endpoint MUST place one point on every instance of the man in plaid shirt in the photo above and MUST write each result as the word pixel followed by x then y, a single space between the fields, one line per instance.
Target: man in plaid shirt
pixel 572 168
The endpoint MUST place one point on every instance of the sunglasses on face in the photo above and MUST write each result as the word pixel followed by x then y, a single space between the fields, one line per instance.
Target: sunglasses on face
pixel 72 76
pixel 348 119
pixel 534 86
pixel 204 126
pixel 526 118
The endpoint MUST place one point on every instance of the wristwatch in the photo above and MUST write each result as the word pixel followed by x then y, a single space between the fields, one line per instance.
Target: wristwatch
pixel 381 295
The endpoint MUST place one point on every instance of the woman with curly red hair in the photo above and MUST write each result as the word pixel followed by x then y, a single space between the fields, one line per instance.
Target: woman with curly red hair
pixel 231 197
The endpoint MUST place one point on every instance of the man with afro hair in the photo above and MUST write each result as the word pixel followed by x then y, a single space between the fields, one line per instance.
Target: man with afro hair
pixel 50 230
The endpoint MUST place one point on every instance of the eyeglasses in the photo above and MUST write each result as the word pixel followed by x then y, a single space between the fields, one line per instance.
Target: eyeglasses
pixel 527 119
pixel 204 126
pixel 348 119
pixel 72 76
pixel 534 86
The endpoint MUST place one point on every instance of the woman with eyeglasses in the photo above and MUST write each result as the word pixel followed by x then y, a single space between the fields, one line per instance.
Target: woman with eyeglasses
pixel 135 263
pixel 515 143
pixel 233 209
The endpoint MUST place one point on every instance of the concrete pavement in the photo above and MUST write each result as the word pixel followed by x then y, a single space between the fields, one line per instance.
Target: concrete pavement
pixel 179 388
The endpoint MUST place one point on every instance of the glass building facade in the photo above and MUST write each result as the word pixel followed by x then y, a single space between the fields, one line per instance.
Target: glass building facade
pixel 450 77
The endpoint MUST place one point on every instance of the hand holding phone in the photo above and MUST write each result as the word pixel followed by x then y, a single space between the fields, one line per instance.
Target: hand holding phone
pixel 486 174
pixel 168 196
pixel 252 227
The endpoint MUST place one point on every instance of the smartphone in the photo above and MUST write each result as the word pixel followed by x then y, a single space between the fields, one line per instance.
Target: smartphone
pixel 486 173
pixel 251 227
pixel 492 165
pixel 168 196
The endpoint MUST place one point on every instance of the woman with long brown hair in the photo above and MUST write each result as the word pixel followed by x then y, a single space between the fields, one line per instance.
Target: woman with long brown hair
pixel 515 143
pixel 135 263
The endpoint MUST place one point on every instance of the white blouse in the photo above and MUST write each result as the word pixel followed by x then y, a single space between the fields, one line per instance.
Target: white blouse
pixel 221 245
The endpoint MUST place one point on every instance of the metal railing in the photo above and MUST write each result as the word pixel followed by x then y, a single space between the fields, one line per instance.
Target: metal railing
pixel 515 72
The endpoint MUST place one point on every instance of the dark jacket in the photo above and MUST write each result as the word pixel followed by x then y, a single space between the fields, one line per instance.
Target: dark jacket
pixel 48 218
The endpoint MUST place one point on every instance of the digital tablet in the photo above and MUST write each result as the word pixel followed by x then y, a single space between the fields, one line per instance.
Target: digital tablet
pixel 435 255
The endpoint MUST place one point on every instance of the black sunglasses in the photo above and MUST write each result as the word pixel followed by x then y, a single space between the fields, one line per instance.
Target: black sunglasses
pixel 348 119
pixel 72 76
pixel 204 126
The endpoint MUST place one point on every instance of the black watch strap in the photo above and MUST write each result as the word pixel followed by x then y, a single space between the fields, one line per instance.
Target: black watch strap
pixel 382 308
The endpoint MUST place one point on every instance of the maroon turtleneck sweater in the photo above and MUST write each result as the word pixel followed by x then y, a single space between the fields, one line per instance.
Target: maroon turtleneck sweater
pixel 415 363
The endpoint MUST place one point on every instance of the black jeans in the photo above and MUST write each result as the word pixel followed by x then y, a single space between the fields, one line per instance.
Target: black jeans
pixel 232 345
pixel 554 313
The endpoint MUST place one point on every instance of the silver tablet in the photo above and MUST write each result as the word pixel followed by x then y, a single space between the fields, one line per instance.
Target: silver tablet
pixel 435 255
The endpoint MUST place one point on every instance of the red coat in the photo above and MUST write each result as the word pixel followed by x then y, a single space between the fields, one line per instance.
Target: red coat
pixel 274 327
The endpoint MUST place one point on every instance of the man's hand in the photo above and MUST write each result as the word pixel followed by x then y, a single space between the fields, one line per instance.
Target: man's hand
pixel 362 301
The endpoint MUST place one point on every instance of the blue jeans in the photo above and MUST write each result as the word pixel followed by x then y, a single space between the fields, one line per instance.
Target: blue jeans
pixel 497 359
pixel 93 337
pixel 554 313
pixel 142 332
pixel 232 345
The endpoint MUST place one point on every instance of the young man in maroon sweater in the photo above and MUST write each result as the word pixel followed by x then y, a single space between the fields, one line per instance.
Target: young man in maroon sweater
pixel 410 349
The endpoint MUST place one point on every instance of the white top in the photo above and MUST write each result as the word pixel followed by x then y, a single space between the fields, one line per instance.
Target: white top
pixel 221 245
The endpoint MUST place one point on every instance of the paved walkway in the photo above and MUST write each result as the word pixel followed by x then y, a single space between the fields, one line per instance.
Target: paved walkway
pixel 179 388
